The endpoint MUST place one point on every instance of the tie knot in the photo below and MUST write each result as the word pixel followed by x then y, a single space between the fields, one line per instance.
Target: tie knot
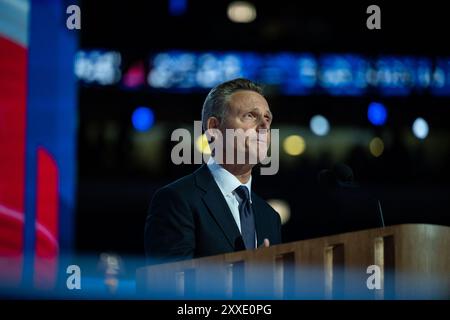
pixel 243 193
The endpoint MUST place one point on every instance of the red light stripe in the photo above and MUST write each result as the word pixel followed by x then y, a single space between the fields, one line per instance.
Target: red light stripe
pixel 47 208
pixel 13 90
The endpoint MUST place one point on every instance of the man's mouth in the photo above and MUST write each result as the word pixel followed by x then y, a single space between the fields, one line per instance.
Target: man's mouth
pixel 258 141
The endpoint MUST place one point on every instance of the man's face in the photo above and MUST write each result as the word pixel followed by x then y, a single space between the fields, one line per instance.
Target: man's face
pixel 249 111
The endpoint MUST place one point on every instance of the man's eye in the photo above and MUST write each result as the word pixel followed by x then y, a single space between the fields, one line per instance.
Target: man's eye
pixel 249 115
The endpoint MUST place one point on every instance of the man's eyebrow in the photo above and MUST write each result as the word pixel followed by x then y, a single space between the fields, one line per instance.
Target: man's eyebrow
pixel 256 109
pixel 270 113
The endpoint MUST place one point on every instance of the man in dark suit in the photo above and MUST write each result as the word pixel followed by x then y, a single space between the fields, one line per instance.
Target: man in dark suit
pixel 213 210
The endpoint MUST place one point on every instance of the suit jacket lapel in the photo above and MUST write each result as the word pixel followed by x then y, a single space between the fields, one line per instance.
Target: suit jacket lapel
pixel 218 206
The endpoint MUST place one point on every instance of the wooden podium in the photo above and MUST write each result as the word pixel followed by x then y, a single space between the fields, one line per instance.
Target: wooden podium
pixel 410 261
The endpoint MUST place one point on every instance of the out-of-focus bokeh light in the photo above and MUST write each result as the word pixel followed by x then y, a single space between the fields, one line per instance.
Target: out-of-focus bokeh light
pixel 420 128
pixel 377 113
pixel 102 67
pixel 177 7
pixel 241 12
pixel 376 147
pixel 294 145
pixel 202 144
pixel 282 207
pixel 143 118
pixel 319 125
pixel 135 76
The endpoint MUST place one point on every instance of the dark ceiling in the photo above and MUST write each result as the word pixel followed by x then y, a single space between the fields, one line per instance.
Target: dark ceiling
pixel 280 25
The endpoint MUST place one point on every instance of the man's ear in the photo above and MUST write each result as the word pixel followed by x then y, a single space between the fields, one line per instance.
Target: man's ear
pixel 211 123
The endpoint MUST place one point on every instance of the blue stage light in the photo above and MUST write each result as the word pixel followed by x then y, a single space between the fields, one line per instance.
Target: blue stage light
pixel 377 113
pixel 177 7
pixel 143 118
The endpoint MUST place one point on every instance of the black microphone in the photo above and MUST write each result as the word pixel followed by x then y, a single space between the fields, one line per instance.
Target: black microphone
pixel 327 179
pixel 381 213
pixel 341 177
pixel 344 174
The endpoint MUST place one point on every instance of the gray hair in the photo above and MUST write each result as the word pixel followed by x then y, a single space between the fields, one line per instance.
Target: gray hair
pixel 216 102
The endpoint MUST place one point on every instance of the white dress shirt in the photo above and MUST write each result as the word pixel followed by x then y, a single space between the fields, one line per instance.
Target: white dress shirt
pixel 227 183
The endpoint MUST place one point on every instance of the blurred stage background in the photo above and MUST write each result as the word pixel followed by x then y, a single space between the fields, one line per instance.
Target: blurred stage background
pixel 86 115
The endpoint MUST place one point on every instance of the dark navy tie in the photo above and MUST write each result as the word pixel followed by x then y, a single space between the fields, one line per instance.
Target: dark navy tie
pixel 247 217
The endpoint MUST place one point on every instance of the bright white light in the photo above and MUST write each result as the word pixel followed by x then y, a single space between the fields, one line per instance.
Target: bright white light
pixel 96 66
pixel 420 128
pixel 241 12
pixel 319 125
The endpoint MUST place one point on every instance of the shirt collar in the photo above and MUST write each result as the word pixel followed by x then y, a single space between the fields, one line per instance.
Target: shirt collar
pixel 226 181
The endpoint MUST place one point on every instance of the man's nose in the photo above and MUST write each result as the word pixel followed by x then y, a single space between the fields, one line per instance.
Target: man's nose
pixel 264 124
